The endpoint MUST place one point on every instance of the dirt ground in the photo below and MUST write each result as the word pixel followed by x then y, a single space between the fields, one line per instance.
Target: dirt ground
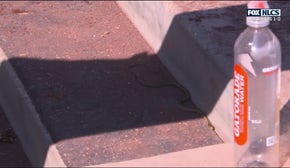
pixel 73 59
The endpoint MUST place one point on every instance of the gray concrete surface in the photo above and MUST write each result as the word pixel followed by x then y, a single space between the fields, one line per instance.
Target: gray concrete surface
pixel 203 66
pixel 198 157
pixel 169 33
pixel 11 151
pixel 195 41
pixel 23 117
pixel 79 92
pixel 209 156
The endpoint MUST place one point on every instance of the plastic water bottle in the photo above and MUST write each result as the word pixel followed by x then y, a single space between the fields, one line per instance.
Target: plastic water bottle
pixel 257 71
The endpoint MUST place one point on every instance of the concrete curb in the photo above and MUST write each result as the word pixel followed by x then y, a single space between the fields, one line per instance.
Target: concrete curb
pixel 203 156
pixel 24 119
pixel 162 27
pixel 219 155
pixel 184 43
pixel 37 142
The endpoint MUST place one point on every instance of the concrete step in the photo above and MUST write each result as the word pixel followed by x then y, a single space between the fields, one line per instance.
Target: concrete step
pixel 219 155
pixel 51 101
pixel 71 97
pixel 198 157
pixel 12 154
pixel 21 113
pixel 195 41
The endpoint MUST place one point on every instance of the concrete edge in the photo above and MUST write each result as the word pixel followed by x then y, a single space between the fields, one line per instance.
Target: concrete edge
pixel 202 156
pixel 154 28
pixel 138 21
pixel 208 156
pixel 153 24
pixel 25 120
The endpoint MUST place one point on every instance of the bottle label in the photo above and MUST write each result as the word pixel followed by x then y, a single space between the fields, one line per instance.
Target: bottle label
pixel 271 70
pixel 270 141
pixel 240 105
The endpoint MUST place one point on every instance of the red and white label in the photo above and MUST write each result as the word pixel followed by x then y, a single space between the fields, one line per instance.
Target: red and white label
pixel 271 70
pixel 240 105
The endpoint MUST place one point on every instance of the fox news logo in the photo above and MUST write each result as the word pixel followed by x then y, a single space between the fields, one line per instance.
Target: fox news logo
pixel 264 12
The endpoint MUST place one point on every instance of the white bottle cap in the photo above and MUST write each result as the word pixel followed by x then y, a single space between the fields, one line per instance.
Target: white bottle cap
pixel 256 21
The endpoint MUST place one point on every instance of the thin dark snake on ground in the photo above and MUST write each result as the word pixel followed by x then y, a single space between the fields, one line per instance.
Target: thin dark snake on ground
pixel 180 103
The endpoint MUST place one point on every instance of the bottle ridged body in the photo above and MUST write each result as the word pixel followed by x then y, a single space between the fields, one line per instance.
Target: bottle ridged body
pixel 258 52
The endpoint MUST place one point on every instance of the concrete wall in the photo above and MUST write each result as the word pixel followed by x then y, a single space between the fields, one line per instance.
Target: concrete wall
pixel 197 48
pixel 161 25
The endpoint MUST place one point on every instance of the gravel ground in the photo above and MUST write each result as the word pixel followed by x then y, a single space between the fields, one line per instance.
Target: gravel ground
pixel 73 59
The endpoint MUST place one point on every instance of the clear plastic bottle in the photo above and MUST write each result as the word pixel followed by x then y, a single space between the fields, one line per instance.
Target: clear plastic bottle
pixel 257 71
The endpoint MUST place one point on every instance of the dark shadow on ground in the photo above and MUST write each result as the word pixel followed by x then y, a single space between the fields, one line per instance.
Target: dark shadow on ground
pixel 78 98
pixel 93 97
pixel 103 101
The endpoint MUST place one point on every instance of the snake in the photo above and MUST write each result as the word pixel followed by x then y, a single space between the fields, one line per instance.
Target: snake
pixel 180 103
